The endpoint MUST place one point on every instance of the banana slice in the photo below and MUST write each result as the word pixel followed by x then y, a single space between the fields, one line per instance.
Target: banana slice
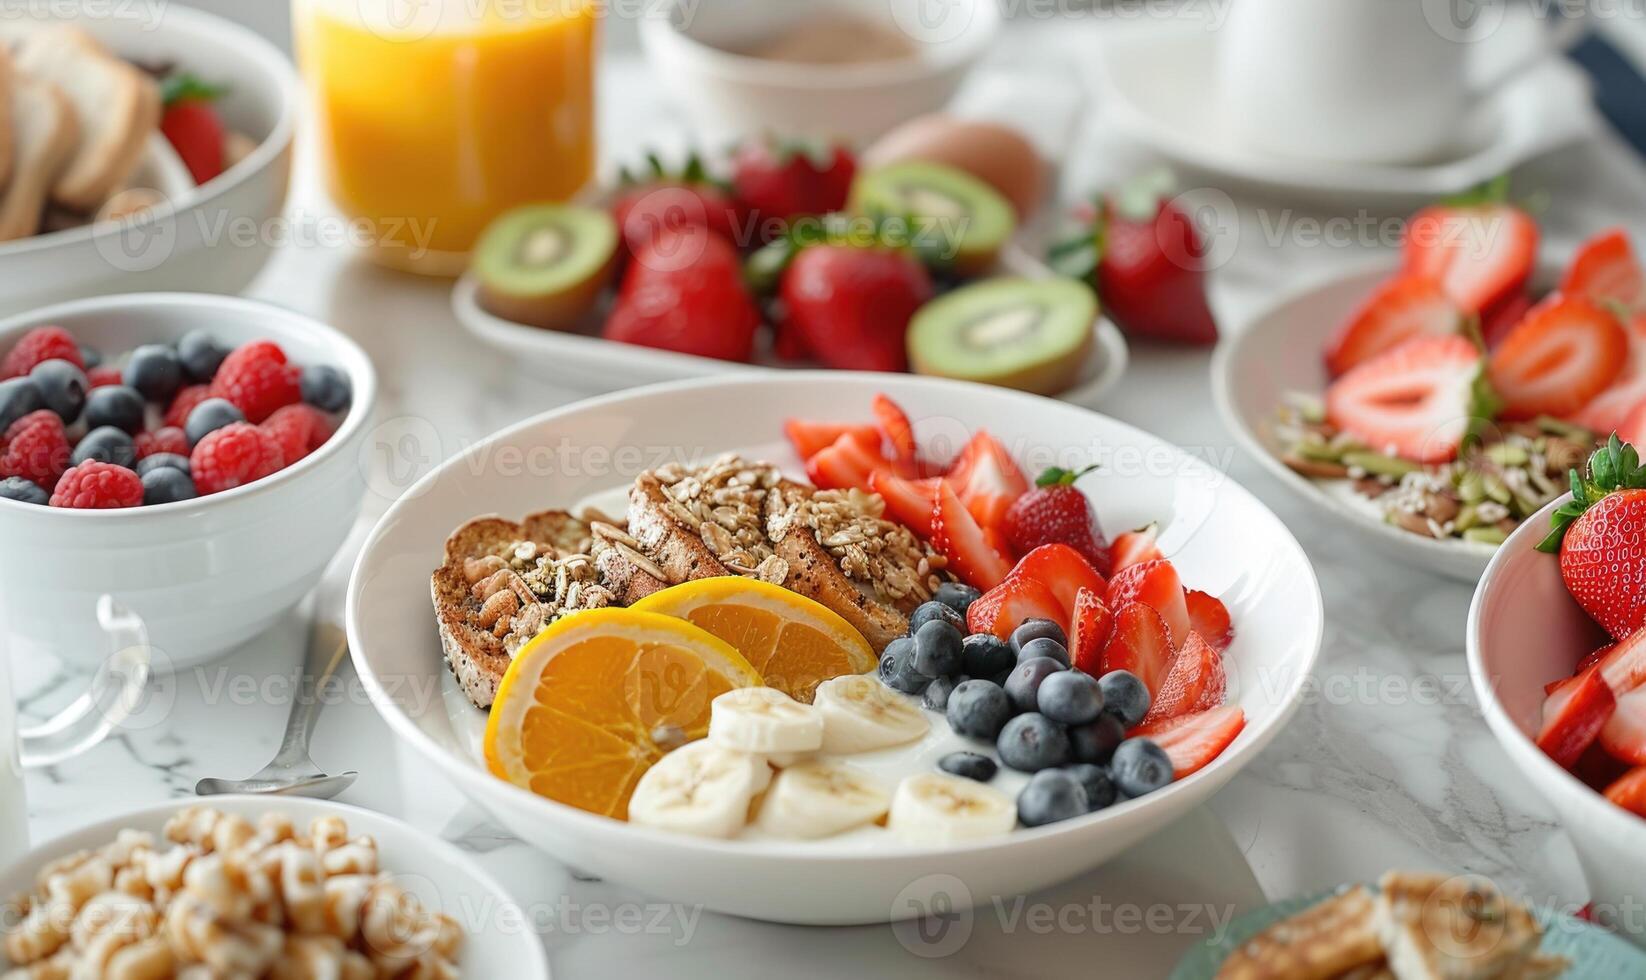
pixel 820 799
pixel 937 808
pixel 700 789
pixel 860 714
pixel 764 720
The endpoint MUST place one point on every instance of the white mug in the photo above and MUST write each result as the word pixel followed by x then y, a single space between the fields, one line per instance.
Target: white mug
pixel 116 691
pixel 1361 81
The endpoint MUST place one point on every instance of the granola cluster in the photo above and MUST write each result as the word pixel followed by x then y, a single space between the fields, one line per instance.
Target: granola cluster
pixel 530 587
pixel 871 550
pixel 725 503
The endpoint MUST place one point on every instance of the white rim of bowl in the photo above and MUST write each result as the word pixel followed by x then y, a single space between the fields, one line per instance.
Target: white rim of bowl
pixel 362 378
pixel 465 773
pixel 247 45
pixel 661 28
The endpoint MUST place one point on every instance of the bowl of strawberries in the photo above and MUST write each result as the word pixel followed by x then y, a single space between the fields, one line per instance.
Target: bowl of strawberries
pixel 195 456
pixel 1557 652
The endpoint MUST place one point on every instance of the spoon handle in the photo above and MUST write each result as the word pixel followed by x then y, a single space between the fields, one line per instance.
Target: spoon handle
pixel 326 649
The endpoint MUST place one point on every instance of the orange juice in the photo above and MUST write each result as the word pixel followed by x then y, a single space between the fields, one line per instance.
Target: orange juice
pixel 434 116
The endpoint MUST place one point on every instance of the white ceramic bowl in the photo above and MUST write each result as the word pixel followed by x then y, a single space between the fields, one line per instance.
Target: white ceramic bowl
pixel 204 574
pixel 212 238
pixel 1222 539
pixel 1525 630
pixel 444 879
pixel 691 44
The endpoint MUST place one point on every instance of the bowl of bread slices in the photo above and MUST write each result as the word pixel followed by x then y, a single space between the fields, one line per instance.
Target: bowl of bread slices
pixel 145 149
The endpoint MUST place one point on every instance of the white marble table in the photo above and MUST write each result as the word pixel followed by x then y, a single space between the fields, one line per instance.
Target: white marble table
pixel 1364 779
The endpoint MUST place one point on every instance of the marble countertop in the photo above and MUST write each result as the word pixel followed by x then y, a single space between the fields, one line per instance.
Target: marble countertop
pixel 1366 777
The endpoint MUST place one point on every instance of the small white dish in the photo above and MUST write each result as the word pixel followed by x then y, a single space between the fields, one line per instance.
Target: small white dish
pixel 205 574
pixel 1161 82
pixel 498 940
pixel 1222 539
pixel 586 362
pixel 1525 631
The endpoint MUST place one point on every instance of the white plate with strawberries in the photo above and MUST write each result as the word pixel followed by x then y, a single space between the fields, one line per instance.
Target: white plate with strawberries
pixel 1434 406
pixel 1214 539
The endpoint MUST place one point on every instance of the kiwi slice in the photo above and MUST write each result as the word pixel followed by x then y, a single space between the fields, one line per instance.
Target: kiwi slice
pixel 1029 334
pixel 959 221
pixel 546 264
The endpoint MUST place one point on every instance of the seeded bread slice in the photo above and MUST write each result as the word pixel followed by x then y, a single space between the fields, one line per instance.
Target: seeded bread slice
pixel 1485 933
pixel 474 651
pixel 815 574
pixel 43 133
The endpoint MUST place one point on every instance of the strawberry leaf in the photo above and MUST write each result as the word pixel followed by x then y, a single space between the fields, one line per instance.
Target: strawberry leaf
pixel 183 85
pixel 1614 466
pixel 1058 477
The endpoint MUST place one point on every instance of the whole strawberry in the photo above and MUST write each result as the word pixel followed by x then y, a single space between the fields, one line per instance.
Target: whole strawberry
pixel 849 305
pixel 1056 512
pixel 665 201
pixel 1600 535
pixel 777 182
pixel 684 292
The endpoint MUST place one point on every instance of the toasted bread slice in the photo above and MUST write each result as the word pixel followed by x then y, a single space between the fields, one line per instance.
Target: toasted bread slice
pixel 1321 943
pixel 816 574
pixel 8 141
pixel 1448 927
pixel 666 537
pixel 44 132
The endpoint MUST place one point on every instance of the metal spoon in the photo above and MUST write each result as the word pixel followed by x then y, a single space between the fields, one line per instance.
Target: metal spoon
pixel 293 773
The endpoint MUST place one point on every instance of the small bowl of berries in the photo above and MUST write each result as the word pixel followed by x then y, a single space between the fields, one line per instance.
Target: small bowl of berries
pixel 195 456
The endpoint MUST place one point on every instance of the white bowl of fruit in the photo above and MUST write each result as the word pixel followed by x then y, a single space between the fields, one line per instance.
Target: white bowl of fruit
pixel 881 659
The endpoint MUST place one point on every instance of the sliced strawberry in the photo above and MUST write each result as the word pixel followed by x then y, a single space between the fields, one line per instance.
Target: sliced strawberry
pixel 1193 741
pixel 1567 351
pixel 1155 584
pixel 1093 624
pixel 1598 769
pixel 1136 547
pixel 1609 411
pixel 847 464
pixel 1480 254
pixel 987 479
pixel 810 438
pixel 1140 643
pixel 1003 608
pixel 1625 733
pixel 1210 618
pixel 1406 306
pixel 1416 401
pixel 1624 663
pixel 899 432
pixel 1063 570
pixel 1630 792
pixel 1596 657
pixel 1196 682
pixel 1572 719
pixel 1606 270
pixel 909 502
pixel 957 536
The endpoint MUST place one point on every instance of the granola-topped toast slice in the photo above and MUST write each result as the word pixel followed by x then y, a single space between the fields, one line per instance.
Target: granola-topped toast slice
pixel 1453 927
pixel 1328 940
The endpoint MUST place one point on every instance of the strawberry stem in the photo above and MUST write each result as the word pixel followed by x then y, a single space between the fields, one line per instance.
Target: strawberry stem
pixel 1058 477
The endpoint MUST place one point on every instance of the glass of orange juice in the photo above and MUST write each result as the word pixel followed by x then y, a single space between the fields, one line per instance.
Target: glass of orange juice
pixel 435 116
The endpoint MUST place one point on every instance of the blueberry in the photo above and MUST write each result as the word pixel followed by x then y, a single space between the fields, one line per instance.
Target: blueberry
pixel 115 405
pixel 1070 697
pixel 1043 646
pixel 1095 743
pixel 957 596
pixel 90 356
pixel 19 489
pixel 1140 767
pixel 326 388
pixel 937 649
pixel 18 397
pixel 148 464
pixel 1031 628
pixel 1023 683
pixel 1033 742
pixel 986 655
pixel 939 691
pixel 155 371
pixel 108 445
pixel 897 667
pixel 1125 696
pixel 935 610
pixel 209 416
pixel 62 388
pixel 1051 796
pixel 1100 791
pixel 201 355
pixel 165 485
pixel 978 709
pixel 969 765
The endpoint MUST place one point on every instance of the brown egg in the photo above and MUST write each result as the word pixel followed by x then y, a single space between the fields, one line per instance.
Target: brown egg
pixel 995 154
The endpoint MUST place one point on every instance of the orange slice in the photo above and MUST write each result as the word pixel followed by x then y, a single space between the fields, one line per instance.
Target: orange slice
pixel 794 642
pixel 582 710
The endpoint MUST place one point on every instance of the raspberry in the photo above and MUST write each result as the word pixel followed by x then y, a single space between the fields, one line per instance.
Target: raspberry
pixel 103 376
pixel 169 439
pixel 257 380
pixel 183 403
pixel 36 449
pixel 233 456
pixel 41 344
pixel 300 430
pixel 98 486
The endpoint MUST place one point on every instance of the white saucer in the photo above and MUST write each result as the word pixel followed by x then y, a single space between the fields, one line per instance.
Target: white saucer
pixel 1161 82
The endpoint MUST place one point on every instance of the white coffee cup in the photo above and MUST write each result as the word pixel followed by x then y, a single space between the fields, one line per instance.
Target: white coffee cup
pixel 1362 81
pixel 116 691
